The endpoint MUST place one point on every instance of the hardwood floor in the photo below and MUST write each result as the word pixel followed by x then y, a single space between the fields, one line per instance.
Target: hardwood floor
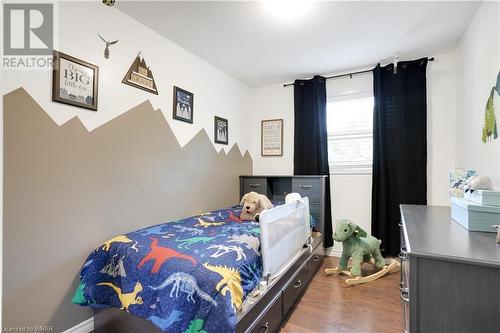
pixel 330 306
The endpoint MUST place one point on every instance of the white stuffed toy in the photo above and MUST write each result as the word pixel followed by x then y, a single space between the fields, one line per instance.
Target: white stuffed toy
pixel 478 183
pixel 292 197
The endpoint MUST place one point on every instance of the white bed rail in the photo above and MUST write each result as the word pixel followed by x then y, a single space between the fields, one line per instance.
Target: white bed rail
pixel 284 230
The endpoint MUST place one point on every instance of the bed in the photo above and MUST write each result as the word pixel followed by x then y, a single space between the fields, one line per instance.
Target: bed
pixel 199 274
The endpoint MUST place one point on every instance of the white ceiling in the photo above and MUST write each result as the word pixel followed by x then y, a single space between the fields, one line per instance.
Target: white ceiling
pixel 245 41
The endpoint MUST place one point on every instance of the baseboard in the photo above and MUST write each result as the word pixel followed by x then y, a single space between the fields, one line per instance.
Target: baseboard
pixel 331 252
pixel 86 326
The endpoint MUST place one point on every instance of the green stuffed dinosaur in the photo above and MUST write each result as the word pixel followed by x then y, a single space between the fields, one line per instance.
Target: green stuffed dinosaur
pixel 358 245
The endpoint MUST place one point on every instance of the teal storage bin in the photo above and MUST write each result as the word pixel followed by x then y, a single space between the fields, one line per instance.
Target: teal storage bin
pixel 484 197
pixel 474 217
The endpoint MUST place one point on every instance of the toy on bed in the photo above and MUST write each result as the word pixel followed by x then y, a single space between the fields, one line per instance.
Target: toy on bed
pixel 361 247
pixel 253 204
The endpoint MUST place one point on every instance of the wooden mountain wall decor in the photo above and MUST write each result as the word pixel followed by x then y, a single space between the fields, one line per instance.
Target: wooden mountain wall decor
pixel 67 190
pixel 140 76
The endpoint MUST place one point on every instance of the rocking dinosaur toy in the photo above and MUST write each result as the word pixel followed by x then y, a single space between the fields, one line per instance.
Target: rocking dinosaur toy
pixel 361 247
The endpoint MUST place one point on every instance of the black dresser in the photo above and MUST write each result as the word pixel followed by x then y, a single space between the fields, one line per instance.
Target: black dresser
pixel 277 187
pixel 450 277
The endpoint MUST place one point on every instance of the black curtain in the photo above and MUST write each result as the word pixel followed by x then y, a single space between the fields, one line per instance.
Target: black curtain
pixel 399 147
pixel 310 143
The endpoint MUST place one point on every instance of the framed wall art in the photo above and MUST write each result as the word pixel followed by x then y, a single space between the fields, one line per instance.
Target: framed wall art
pixel 139 75
pixel 183 105
pixel 74 81
pixel 221 132
pixel 272 137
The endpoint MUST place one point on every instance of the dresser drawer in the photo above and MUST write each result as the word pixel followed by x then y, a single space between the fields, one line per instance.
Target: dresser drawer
pixel 307 187
pixel 256 184
pixel 271 320
pixel 314 262
pixel 294 289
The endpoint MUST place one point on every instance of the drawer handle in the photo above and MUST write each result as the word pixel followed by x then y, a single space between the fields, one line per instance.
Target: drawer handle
pixel 266 326
pixel 405 295
pixel 400 223
pixel 305 186
pixel 316 258
pixel 254 185
pixel 297 284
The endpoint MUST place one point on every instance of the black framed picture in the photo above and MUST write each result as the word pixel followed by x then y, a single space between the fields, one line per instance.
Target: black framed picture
pixel 183 105
pixel 221 133
pixel 74 81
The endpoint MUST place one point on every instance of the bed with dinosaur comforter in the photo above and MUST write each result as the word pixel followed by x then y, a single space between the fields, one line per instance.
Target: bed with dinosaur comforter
pixel 190 275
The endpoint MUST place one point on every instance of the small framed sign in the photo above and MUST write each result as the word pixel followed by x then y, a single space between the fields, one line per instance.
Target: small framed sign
pixel 74 81
pixel 221 134
pixel 183 105
pixel 272 137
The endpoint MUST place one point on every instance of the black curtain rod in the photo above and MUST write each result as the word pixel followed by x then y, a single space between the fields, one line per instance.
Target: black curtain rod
pixel 346 74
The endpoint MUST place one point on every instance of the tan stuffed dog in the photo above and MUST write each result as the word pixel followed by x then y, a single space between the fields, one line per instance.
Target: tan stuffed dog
pixel 253 204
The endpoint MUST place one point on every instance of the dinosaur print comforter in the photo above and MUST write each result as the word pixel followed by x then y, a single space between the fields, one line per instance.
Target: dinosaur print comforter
pixel 190 275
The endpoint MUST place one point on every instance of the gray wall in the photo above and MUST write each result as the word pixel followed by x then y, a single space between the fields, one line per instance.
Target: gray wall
pixel 66 190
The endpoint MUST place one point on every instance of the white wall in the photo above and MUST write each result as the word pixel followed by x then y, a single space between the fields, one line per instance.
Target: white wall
pixel 351 194
pixel 215 92
pixel 351 198
pixel 478 63
pixel 441 127
pixel 272 102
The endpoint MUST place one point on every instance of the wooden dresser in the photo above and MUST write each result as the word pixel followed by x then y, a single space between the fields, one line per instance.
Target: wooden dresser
pixel 450 277
pixel 277 187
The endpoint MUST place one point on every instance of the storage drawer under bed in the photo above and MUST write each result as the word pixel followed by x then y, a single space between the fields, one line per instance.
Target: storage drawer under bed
pixel 271 320
pixel 314 262
pixel 294 289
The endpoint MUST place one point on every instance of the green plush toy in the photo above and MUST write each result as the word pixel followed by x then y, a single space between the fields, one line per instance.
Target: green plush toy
pixel 358 245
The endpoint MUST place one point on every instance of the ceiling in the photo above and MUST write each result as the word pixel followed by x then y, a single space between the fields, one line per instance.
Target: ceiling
pixel 259 48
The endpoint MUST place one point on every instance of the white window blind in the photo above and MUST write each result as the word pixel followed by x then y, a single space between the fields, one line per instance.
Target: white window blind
pixel 350 135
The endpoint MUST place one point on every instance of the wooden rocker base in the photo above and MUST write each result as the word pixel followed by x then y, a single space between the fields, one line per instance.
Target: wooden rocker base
pixel 387 269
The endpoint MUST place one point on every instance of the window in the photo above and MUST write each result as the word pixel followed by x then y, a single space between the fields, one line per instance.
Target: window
pixel 350 134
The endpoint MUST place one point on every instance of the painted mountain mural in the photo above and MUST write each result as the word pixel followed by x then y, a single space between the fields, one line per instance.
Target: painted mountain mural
pixel 67 190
